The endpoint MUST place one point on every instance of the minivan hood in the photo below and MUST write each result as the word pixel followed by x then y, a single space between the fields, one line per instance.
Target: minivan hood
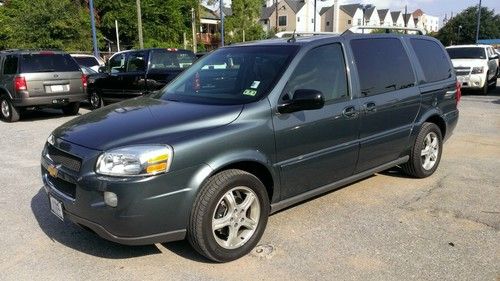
pixel 468 62
pixel 144 121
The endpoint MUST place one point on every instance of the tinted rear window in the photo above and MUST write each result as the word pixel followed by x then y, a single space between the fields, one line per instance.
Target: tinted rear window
pixel 48 63
pixel 86 61
pixel 466 53
pixel 382 64
pixel 432 59
pixel 164 60
pixel 10 65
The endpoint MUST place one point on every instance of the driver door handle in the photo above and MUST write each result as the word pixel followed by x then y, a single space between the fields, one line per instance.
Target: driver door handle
pixel 370 107
pixel 350 112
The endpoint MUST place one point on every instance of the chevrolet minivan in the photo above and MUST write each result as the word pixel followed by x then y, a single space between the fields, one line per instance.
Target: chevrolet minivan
pixel 249 130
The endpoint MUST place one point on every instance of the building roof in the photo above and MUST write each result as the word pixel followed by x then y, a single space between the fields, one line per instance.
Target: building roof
pixel 266 12
pixel 350 9
pixel 382 13
pixel 395 15
pixel 227 11
pixel 406 18
pixel 295 5
pixel 418 13
pixel 324 9
pixel 206 13
pixel 369 12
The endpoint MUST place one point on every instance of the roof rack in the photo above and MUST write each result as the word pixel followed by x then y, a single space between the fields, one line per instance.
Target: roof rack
pixel 286 34
pixel 360 29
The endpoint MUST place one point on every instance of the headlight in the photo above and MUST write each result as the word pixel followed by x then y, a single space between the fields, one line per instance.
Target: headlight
pixel 477 70
pixel 141 160
pixel 51 139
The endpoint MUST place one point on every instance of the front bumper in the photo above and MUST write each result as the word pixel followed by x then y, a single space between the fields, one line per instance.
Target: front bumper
pixel 150 209
pixel 472 81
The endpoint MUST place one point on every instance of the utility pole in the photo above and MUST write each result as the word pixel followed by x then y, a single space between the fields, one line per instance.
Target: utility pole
pixel 221 5
pixel 117 36
pixel 478 21
pixel 315 3
pixel 276 11
pixel 92 22
pixel 193 29
pixel 139 24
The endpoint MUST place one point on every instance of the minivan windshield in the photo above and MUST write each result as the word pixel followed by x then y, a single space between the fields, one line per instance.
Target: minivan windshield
pixel 233 75
pixel 466 53
pixel 48 62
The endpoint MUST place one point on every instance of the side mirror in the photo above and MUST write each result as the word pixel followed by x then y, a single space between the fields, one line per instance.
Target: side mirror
pixel 494 57
pixel 305 99
pixel 102 69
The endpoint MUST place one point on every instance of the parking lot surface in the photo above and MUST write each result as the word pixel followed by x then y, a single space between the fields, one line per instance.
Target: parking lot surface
pixel 386 227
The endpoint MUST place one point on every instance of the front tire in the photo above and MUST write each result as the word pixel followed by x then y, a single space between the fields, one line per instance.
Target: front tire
pixel 425 153
pixel 9 112
pixel 71 109
pixel 484 89
pixel 95 100
pixel 229 216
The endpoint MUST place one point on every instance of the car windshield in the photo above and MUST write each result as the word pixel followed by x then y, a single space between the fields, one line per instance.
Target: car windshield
pixel 466 53
pixel 234 75
pixel 86 61
pixel 48 62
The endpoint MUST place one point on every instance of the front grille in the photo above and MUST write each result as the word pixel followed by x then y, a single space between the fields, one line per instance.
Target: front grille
pixel 462 71
pixel 68 161
pixel 67 188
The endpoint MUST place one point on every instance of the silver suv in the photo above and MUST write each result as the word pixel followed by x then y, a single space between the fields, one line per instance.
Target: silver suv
pixel 34 79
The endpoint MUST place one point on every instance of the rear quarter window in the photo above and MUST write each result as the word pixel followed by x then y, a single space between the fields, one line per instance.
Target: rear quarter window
pixel 432 59
pixel 382 64
pixel 50 62
pixel 86 61
pixel 10 65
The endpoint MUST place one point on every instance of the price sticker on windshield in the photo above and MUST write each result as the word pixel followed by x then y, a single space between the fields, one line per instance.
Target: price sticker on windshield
pixel 250 92
pixel 255 84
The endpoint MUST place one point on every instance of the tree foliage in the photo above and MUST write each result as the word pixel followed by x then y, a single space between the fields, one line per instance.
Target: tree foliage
pixel 244 20
pixel 451 33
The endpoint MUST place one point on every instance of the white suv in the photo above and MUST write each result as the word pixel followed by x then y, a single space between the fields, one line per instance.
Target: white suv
pixel 476 66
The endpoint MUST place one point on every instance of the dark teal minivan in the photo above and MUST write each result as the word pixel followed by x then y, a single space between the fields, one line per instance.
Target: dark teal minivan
pixel 249 130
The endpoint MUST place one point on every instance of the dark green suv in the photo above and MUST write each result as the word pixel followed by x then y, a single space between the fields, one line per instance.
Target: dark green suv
pixel 34 79
pixel 249 130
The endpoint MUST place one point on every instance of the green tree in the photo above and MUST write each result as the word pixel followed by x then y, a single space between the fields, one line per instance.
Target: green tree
pixel 244 21
pixel 467 19
pixel 62 24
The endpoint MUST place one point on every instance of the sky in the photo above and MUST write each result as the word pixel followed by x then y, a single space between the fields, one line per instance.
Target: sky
pixel 432 7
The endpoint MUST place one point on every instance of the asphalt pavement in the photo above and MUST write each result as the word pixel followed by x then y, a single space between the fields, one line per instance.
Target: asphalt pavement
pixel 386 227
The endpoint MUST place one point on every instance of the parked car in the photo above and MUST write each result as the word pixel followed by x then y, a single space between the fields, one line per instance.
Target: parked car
pixel 476 66
pixel 89 61
pixel 249 130
pixel 133 73
pixel 93 98
pixel 34 79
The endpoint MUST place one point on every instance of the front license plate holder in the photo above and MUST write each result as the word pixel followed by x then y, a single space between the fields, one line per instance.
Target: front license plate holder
pixel 56 207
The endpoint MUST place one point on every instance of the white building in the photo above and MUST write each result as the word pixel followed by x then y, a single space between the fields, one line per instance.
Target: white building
pixel 384 17
pixel 292 15
pixel 425 21
pixel 397 19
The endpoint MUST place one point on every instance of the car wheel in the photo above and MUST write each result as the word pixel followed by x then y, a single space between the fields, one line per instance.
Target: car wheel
pixel 229 216
pixel 71 109
pixel 494 84
pixel 95 100
pixel 10 113
pixel 484 89
pixel 426 152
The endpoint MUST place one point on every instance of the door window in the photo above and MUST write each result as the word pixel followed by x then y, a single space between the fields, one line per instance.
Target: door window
pixel 432 59
pixel 137 62
pixel 117 63
pixel 322 69
pixel 10 65
pixel 382 64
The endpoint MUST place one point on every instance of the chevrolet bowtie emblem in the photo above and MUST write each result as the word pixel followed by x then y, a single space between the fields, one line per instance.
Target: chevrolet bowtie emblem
pixel 52 171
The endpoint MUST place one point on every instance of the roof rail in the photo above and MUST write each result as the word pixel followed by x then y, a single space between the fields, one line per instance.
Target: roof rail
pixel 360 29
pixel 31 50
pixel 285 34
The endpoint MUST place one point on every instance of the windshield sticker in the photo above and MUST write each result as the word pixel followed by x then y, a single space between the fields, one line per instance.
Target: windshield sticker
pixel 255 84
pixel 250 92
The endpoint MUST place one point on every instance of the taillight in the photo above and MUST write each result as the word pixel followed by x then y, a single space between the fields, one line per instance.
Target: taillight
pixel 20 83
pixel 84 80
pixel 458 94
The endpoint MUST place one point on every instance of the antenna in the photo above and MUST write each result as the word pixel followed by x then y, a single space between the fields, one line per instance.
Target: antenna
pixel 292 39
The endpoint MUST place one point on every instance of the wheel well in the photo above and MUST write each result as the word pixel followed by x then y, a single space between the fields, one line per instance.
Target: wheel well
pixel 256 169
pixel 436 119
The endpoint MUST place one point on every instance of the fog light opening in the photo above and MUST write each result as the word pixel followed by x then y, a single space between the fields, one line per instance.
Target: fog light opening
pixel 110 199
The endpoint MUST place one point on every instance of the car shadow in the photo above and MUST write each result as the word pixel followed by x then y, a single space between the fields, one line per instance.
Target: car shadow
pixel 41 114
pixel 396 172
pixel 184 250
pixel 80 239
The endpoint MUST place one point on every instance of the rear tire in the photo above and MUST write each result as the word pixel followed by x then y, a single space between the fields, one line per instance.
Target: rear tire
pixel 71 109
pixel 229 216
pixel 9 112
pixel 425 153
pixel 95 100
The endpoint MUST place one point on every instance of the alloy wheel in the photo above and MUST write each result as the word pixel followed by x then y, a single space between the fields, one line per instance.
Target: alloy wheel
pixel 430 152
pixel 5 109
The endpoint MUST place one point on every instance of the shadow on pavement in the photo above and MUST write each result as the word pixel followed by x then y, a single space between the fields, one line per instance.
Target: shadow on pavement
pixel 184 249
pixel 396 172
pixel 80 239
pixel 42 114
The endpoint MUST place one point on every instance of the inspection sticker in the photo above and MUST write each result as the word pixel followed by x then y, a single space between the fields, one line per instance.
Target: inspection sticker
pixel 250 92
pixel 255 84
